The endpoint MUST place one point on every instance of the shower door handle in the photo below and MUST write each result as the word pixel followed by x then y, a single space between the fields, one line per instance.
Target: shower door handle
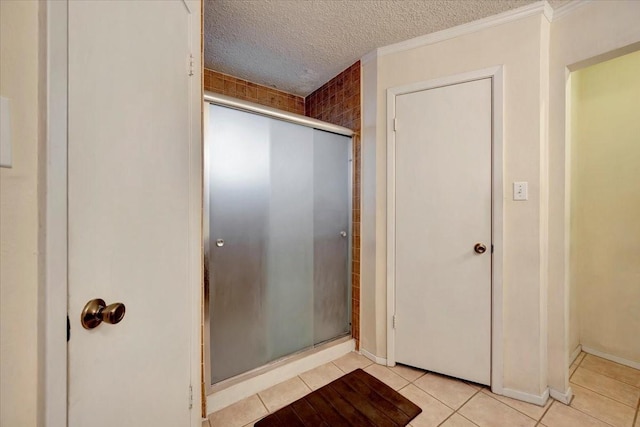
pixel 343 233
pixel 220 243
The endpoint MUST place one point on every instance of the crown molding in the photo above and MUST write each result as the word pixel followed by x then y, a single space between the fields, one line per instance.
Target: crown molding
pixel 568 8
pixel 540 7
pixel 547 11
pixel 369 56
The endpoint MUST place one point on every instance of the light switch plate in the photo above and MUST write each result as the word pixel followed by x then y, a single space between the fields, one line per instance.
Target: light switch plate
pixel 520 191
pixel 5 133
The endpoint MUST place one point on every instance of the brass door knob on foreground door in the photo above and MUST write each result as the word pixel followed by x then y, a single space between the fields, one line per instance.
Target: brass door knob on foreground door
pixel 480 248
pixel 96 311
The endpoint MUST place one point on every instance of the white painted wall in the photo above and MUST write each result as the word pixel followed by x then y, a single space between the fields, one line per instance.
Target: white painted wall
pixel 605 232
pixel 19 217
pixel 594 29
pixel 536 56
pixel 522 47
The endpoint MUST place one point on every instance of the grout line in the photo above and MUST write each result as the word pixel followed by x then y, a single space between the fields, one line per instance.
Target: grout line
pixel 515 409
pixel 403 387
pixel 304 382
pixel 605 375
pixel 600 394
pixel 454 410
pixel 263 404
pixel 589 415
pixel 467 401
pixel 306 385
pixel 545 412
pixel 465 417
pixel 577 364
pixel 573 373
pixel 445 420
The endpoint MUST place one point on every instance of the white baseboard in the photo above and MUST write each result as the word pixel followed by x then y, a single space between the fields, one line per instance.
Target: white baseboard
pixel 620 360
pixel 560 396
pixel 235 393
pixel 527 397
pixel 373 357
pixel 575 354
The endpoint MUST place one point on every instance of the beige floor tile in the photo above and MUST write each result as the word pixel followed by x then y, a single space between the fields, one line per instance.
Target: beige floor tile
pixel 387 376
pixel 488 412
pixel 352 361
pixel 457 420
pixel 433 411
pixel 239 414
pixel 580 357
pixel 321 376
pixel 606 386
pixel 637 424
pixel 284 393
pixel 533 411
pixel 602 408
pixel 614 370
pixel 449 391
pixel 560 415
pixel 407 372
pixel 205 423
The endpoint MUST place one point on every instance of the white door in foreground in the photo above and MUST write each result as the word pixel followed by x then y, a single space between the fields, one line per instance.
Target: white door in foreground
pixel 443 230
pixel 128 200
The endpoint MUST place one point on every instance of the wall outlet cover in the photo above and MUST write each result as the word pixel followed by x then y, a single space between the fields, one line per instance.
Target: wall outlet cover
pixel 520 191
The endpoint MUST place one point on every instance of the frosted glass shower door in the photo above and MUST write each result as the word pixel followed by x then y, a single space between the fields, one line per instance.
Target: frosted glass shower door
pixel 331 235
pixel 277 254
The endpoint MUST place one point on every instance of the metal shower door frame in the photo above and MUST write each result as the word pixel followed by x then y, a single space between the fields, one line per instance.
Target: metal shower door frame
pixel 225 101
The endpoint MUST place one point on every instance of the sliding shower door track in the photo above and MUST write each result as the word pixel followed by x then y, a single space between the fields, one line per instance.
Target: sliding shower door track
pixel 224 384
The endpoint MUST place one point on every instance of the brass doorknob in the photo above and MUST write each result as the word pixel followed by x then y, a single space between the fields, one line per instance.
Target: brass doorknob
pixel 480 248
pixel 96 311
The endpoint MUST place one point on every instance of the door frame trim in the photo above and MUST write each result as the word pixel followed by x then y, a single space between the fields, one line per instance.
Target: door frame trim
pixel 52 174
pixel 497 197
pixel 52 304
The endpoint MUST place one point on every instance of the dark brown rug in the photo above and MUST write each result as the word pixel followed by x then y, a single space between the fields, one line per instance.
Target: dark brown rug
pixel 355 399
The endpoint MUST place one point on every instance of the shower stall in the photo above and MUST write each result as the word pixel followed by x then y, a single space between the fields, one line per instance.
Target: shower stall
pixel 277 235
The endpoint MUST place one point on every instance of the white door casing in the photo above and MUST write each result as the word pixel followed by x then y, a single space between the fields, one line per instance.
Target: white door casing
pixel 134 206
pixel 444 160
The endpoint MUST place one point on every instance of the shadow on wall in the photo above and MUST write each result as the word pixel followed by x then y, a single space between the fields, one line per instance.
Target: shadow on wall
pixel 605 207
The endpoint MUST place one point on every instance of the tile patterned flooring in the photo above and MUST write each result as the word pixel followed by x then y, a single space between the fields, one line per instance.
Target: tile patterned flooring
pixel 606 394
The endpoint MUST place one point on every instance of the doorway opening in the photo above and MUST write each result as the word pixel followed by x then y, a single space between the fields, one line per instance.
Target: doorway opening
pixel 604 234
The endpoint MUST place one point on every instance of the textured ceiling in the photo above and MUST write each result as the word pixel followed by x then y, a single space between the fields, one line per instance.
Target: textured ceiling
pixel 298 45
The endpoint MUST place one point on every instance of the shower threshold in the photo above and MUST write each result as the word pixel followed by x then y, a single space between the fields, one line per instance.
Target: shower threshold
pixel 229 391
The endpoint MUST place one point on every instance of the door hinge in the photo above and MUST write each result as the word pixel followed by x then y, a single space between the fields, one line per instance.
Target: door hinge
pixel 190 397
pixel 393 319
pixel 395 124
pixel 191 65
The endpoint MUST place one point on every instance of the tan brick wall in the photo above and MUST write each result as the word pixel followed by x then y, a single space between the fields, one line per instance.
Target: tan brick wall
pixel 338 102
pixel 248 91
